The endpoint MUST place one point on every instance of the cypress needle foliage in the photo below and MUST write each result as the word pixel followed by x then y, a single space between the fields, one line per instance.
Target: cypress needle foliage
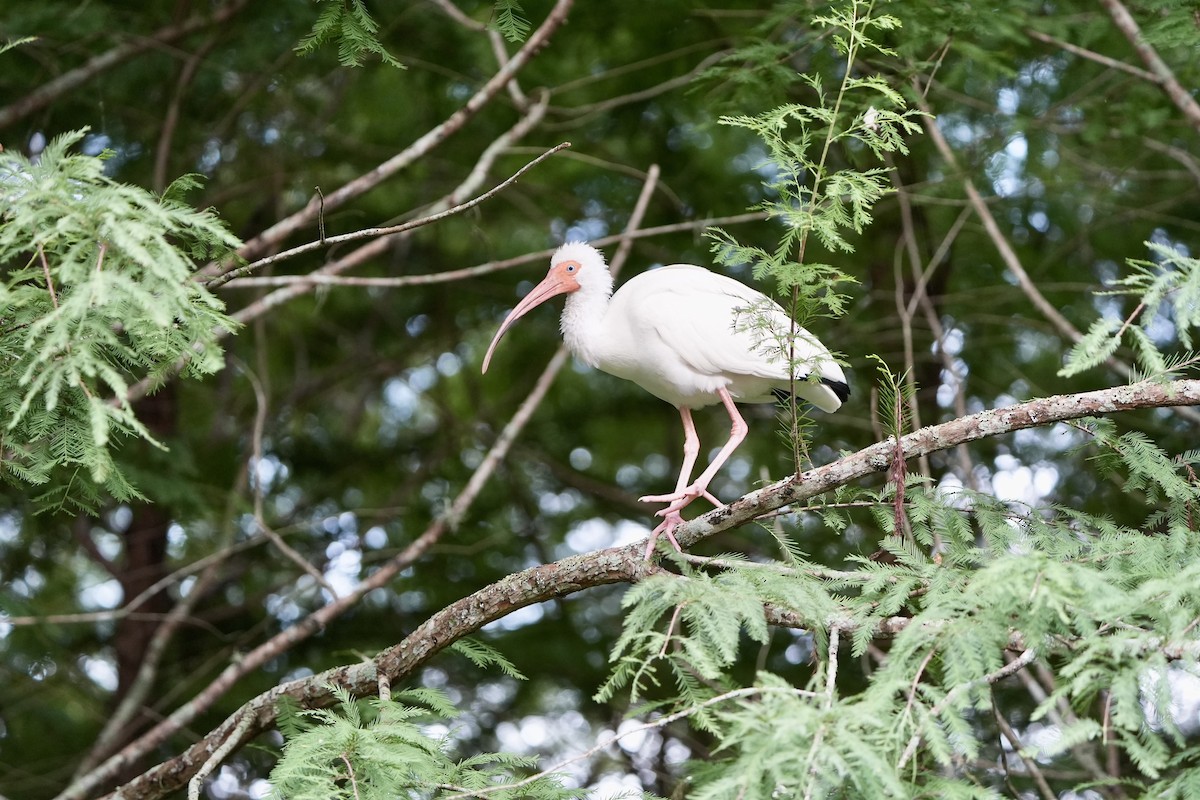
pixel 381 748
pixel 1166 287
pixel 96 295
pixel 350 24
pixel 804 190
pixel 484 656
pixel 1109 607
pixel 509 19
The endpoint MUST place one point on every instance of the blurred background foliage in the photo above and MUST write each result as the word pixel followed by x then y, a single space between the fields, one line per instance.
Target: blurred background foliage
pixel 374 413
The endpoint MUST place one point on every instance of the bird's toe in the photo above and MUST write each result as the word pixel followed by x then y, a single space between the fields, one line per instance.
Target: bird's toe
pixel 661 498
pixel 664 528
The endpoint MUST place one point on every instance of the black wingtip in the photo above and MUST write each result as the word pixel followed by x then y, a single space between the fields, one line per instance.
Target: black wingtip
pixel 840 388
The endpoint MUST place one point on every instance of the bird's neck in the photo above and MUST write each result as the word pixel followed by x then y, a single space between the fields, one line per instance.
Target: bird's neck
pixel 583 323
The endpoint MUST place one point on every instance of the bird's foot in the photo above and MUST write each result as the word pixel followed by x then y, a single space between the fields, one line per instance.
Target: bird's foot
pixel 677 501
pixel 665 528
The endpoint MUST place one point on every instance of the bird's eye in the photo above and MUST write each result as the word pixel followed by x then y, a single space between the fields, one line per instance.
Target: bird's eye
pixel 570 267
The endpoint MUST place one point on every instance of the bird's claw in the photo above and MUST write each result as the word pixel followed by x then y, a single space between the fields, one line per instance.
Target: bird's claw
pixel 676 502
pixel 664 528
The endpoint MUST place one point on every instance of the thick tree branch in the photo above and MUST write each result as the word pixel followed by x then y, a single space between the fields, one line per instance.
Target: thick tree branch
pixel 626 565
pixel 460 619
pixel 878 457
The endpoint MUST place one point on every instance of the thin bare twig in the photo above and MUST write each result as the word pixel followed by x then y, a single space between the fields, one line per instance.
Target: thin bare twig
pixel 1009 256
pixel 371 233
pixel 363 253
pixel 325 279
pixel 162 151
pixel 494 39
pixel 1061 714
pixel 1092 55
pixel 920 298
pixel 422 146
pixel 1031 766
pixel 218 755
pixel 256 456
pixel 827 697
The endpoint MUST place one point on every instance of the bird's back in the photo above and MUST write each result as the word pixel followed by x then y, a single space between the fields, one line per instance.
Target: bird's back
pixel 681 332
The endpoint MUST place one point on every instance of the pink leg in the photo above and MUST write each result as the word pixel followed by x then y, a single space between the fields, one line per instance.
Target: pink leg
pixel 691 449
pixel 737 433
pixel 683 496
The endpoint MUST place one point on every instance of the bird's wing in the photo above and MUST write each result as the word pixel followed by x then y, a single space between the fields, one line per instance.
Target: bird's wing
pixel 721 327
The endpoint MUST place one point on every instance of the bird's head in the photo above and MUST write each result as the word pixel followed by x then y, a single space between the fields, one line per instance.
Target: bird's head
pixel 575 266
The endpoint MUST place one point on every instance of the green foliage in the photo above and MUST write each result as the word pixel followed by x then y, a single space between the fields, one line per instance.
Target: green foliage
pixel 10 44
pixel 895 399
pixel 356 32
pixel 350 24
pixel 509 19
pixel 96 295
pixel 1111 607
pixel 483 656
pixel 376 749
pixel 372 414
pixel 1167 286
pixel 709 615
pixel 803 190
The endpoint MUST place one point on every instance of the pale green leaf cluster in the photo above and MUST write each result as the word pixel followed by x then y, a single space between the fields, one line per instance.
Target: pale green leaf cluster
pixel 805 193
pixel 1168 285
pixel 96 294
pixel 1112 608
pixel 381 749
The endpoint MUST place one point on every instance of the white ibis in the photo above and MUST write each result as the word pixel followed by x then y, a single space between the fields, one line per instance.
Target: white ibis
pixel 691 337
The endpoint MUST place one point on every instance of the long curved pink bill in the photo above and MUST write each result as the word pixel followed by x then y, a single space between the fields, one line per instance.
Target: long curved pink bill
pixel 550 286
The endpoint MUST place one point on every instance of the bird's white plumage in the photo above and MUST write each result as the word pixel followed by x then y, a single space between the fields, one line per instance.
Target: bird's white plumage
pixel 682 332
pixel 691 337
